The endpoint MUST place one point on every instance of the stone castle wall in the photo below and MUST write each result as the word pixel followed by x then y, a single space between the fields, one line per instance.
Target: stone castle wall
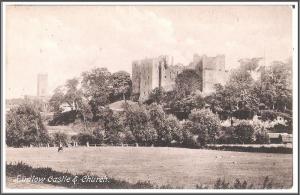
pixel 211 70
pixel 147 74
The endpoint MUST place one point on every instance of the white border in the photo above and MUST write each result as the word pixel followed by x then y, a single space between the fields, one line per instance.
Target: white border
pixel 295 102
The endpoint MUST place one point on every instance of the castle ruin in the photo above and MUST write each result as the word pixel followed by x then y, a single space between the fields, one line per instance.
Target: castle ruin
pixel 150 73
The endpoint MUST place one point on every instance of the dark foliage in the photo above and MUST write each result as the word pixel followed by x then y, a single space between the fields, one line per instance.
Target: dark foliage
pixel 262 149
pixel 64 118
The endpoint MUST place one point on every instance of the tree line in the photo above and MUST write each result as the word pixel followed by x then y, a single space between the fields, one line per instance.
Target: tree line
pixel 181 117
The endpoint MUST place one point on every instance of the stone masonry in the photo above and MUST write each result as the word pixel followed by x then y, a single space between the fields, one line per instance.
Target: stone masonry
pixel 149 73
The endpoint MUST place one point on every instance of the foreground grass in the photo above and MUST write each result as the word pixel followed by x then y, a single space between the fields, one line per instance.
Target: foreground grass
pixel 176 167
pixel 49 176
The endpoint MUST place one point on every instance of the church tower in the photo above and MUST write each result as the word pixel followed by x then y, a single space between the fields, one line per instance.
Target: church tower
pixel 42 85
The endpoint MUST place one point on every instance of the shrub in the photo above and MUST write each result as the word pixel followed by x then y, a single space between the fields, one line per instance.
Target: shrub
pixel 272 115
pixel 226 135
pixel 128 137
pixel 85 137
pixel 60 138
pixel 221 184
pixel 243 132
pixel 173 126
pixel 99 135
pixel 246 148
pixel 260 131
pixel 187 133
pixel 24 126
pixel 279 125
pixel 206 125
pixel 241 185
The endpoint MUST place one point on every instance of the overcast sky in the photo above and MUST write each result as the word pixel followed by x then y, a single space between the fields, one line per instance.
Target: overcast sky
pixel 63 41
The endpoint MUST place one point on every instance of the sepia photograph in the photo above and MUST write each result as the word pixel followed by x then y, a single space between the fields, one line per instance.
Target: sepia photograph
pixel 156 97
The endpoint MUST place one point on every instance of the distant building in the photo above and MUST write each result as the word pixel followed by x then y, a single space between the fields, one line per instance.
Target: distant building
pixel 149 73
pixel 211 71
pixel 42 85
pixel 41 99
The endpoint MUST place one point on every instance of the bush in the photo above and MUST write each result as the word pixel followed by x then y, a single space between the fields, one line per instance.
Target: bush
pixel 60 138
pixel 24 126
pixel 279 125
pixel 226 135
pixel 173 126
pixel 85 137
pixel 247 148
pixel 128 137
pixel 260 131
pixel 206 125
pixel 243 132
pixel 188 135
pixel 273 115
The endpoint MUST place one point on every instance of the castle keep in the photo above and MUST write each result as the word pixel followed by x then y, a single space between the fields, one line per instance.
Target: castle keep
pixel 149 73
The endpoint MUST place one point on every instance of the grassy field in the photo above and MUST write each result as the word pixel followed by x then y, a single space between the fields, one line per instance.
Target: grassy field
pixel 178 167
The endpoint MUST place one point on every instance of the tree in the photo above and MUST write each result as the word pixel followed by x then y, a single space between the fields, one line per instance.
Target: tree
pixel 24 126
pixel 249 64
pixel 73 95
pixel 57 99
pixel 275 86
pixel 157 95
pixel 186 82
pixel 188 132
pixel 60 138
pixel 239 93
pixel 111 124
pixel 85 137
pixel 96 88
pixel 183 107
pixel 174 129
pixel 122 86
pixel 137 121
pixel 157 118
pixel 206 125
pixel 85 111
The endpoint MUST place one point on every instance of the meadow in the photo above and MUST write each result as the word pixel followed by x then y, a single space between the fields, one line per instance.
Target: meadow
pixel 177 167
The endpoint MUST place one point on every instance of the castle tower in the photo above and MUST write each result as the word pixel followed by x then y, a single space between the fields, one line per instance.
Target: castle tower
pixel 42 85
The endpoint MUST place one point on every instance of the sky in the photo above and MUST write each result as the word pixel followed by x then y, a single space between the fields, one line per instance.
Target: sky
pixel 64 41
